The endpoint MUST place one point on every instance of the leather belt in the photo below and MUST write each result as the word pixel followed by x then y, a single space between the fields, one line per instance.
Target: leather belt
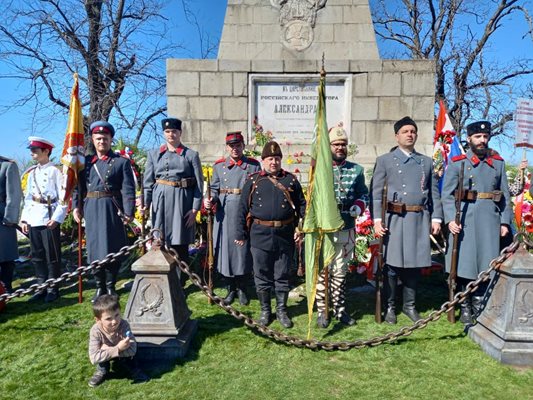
pixel 42 200
pixel 473 195
pixel 274 224
pixel 182 183
pixel 101 194
pixel 401 208
pixel 230 191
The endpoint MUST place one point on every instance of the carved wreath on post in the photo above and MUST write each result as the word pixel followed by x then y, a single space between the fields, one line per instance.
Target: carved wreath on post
pixel 298 18
pixel 152 306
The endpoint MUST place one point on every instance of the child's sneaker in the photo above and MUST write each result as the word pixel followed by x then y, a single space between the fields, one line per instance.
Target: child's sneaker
pixel 97 378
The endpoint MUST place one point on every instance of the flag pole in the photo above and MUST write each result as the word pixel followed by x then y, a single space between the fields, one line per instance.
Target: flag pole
pixel 80 238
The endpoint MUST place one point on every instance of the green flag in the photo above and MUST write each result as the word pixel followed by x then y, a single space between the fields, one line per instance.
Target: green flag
pixel 322 217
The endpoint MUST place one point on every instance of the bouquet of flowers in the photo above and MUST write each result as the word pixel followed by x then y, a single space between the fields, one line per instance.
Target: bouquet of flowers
pixel 364 235
pixel 442 141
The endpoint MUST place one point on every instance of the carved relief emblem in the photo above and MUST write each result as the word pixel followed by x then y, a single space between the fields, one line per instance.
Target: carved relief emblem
pixel 151 300
pixel 298 18
pixel 525 307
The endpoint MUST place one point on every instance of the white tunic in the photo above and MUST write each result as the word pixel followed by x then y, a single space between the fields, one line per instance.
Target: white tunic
pixel 43 181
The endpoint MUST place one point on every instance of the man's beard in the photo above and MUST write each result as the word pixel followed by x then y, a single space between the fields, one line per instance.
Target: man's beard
pixel 339 158
pixel 480 152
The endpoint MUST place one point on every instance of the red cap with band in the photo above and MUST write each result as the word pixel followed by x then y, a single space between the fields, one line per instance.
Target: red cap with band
pixel 234 137
pixel 39 142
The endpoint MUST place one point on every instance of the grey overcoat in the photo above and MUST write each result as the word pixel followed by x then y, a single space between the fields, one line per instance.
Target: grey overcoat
pixel 10 198
pixel 169 203
pixel 231 260
pixel 411 181
pixel 479 242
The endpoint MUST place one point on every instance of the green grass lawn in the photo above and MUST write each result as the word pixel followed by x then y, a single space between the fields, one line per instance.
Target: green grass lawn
pixel 43 355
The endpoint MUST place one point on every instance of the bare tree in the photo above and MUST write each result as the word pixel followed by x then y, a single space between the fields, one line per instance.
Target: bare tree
pixel 458 34
pixel 118 48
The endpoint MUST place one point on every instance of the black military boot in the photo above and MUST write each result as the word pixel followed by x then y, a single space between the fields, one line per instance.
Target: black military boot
pixel 99 279
pixel 54 271
pixel 281 309
pixel 111 273
pixel 266 311
pixel 409 296
pixel 232 291
pixel 466 311
pixel 6 274
pixel 41 272
pixel 241 290
pixel 391 283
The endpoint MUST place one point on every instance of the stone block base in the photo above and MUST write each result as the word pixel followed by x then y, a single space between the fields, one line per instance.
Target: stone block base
pixel 166 348
pixel 517 353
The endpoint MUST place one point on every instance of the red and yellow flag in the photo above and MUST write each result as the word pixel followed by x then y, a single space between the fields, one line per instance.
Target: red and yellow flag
pixel 73 155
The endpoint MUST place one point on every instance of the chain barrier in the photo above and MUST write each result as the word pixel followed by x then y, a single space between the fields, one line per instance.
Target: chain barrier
pixel 80 271
pixel 265 330
pixel 314 344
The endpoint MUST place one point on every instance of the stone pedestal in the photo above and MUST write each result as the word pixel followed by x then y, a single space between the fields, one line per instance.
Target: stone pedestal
pixel 504 330
pixel 157 310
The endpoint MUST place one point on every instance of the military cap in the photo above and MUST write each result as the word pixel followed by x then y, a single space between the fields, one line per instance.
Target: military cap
pixel 234 137
pixel 402 122
pixel 171 123
pixel 102 127
pixel 337 133
pixel 39 143
pixel 271 149
pixel 478 127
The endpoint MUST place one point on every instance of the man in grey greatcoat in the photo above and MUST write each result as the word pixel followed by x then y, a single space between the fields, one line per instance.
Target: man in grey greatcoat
pixel 229 174
pixel 173 184
pixel 413 212
pixel 108 203
pixel 485 211
pixel 10 198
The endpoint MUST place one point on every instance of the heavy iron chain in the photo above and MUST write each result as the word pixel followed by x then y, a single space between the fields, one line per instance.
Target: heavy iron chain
pixel 314 344
pixel 80 271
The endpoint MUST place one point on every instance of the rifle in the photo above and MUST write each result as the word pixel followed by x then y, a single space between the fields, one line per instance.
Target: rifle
pixel 143 216
pixel 455 249
pixel 210 255
pixel 381 261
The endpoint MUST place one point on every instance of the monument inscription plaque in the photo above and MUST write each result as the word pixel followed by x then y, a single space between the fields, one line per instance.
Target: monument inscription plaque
pixel 286 104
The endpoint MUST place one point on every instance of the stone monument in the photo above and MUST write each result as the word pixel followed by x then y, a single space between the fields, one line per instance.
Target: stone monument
pixel 157 310
pixel 267 70
pixel 504 330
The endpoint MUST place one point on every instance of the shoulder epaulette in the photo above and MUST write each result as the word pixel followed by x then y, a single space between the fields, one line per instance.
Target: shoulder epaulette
pixel 459 157
pixel 494 154
pixel 220 160
pixel 253 161
pixel 6 159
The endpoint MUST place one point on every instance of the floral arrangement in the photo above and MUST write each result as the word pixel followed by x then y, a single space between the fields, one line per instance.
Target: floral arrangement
pixel 442 141
pixel 364 236
pixel 260 139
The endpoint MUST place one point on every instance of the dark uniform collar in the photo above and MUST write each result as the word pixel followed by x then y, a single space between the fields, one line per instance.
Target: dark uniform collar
pixel 280 174
pixel 105 157
pixel 339 164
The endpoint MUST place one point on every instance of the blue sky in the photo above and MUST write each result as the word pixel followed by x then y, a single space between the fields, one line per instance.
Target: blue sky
pixel 17 124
